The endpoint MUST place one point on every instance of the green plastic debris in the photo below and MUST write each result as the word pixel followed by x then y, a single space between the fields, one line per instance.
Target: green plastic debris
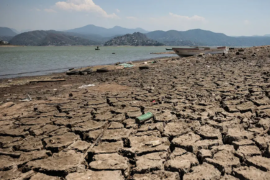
pixel 144 117
pixel 126 65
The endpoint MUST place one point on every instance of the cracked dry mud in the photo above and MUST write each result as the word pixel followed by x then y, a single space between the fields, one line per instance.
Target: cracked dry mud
pixel 212 120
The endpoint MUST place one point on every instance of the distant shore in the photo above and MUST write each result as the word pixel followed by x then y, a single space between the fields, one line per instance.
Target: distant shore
pixel 10 46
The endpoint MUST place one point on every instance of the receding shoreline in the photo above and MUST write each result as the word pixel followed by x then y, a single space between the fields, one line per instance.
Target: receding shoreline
pixel 5 46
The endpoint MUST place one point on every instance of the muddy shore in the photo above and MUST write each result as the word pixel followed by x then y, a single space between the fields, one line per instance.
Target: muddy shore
pixel 211 121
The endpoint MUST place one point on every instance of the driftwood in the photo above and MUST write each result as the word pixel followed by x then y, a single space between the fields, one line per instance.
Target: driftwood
pixel 105 127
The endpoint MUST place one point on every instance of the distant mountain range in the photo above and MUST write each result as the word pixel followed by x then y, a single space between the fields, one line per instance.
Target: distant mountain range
pixel 6 33
pixel 49 38
pixel 205 38
pixel 135 39
pixel 94 35
pixel 115 31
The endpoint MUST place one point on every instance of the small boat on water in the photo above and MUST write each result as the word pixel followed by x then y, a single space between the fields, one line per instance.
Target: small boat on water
pixel 97 48
pixel 191 51
pixel 169 49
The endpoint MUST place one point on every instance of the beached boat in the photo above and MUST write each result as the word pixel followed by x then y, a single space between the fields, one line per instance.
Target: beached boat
pixel 190 51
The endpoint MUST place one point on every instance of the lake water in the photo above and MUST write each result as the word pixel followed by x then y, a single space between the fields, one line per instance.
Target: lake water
pixel 30 61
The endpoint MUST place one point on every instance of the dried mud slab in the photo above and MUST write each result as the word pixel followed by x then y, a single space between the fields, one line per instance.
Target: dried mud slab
pixel 7 163
pixel 96 175
pixel 108 147
pixel 110 162
pixel 150 162
pixel 246 151
pixel 157 175
pixel 259 162
pixel 250 173
pixel 34 155
pixel 186 141
pixel 87 126
pixel 237 134
pixel 57 143
pixel 182 163
pixel 80 146
pixel 15 174
pixel 110 134
pixel 201 172
pixel 61 163
pixel 31 144
pixel 176 129
pixel 40 176
pixel 224 161
pixel 208 132
pixel 147 144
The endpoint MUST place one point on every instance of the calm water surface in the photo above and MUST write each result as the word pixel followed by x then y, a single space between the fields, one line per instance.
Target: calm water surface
pixel 29 61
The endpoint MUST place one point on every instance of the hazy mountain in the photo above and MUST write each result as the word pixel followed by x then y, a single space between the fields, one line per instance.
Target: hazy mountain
pixel 49 38
pixel 92 37
pixel 207 38
pixel 6 34
pixel 135 39
pixel 115 31
pixel 4 31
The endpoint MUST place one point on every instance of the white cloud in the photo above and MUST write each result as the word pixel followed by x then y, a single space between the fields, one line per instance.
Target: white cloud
pixel 117 10
pixel 49 10
pixel 84 5
pixel 132 18
pixel 246 22
pixel 187 18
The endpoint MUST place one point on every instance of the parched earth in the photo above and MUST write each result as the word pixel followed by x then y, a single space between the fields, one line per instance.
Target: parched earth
pixel 211 121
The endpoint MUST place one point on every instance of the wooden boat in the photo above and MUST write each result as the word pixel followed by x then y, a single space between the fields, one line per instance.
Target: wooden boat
pixel 191 51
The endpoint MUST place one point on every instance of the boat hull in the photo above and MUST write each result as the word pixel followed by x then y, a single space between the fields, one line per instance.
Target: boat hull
pixel 182 52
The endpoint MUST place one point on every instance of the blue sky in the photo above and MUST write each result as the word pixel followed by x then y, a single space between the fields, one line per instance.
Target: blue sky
pixel 232 17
